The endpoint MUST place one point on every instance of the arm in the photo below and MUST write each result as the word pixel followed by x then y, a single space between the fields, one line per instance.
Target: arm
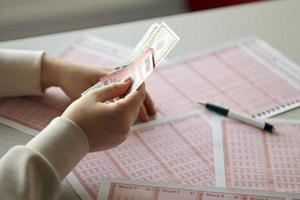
pixel 20 72
pixel 30 72
pixel 34 171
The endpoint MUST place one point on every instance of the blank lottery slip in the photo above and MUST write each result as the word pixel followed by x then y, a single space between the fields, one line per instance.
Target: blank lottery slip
pixel 199 150
pixel 256 160
pixel 172 151
pixel 116 189
pixel 255 79
pixel 182 145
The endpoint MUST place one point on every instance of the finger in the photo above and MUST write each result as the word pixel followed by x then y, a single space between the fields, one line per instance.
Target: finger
pixel 149 105
pixel 114 90
pixel 133 101
pixel 95 74
pixel 135 115
pixel 105 70
pixel 143 116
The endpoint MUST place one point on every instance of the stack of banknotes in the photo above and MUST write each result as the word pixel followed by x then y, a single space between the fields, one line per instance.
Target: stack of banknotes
pixel 154 46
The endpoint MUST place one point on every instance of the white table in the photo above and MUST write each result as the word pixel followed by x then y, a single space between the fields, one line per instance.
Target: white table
pixel 277 22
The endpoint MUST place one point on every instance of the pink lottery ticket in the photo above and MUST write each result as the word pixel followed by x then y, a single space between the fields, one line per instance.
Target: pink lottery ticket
pixel 234 77
pixel 117 189
pixel 247 83
pixel 257 160
pixel 176 151
pixel 139 70
pixel 243 76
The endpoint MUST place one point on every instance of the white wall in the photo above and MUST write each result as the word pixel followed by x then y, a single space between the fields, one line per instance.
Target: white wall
pixel 23 18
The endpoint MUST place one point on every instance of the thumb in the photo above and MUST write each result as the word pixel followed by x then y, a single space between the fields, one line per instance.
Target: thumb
pixel 113 90
pixel 134 100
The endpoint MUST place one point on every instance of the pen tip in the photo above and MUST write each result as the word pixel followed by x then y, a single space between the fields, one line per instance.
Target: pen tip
pixel 201 102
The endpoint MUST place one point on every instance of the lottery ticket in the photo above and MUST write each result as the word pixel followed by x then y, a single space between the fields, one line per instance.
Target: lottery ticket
pixel 117 189
pixel 138 70
pixel 174 151
pixel 243 77
pixel 256 160
pixel 255 79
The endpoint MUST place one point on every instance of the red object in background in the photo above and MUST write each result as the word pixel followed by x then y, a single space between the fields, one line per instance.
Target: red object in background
pixel 206 4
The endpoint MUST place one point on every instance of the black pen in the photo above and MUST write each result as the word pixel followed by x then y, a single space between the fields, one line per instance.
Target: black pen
pixel 239 117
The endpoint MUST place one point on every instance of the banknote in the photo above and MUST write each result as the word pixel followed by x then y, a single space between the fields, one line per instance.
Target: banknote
pixel 138 70
pixel 159 39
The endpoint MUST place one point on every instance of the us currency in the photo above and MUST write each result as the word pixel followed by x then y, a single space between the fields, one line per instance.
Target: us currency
pixel 138 70
pixel 160 38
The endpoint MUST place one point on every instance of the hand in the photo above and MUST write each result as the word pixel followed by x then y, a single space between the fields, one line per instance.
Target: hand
pixel 147 109
pixel 72 78
pixel 106 124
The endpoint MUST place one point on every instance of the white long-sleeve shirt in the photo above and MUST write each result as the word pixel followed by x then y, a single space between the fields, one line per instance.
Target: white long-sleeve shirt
pixel 34 171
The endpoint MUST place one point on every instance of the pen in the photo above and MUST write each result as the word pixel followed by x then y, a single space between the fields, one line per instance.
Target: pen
pixel 239 117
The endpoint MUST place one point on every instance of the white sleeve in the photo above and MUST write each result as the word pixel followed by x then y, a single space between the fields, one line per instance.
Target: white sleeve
pixel 34 171
pixel 20 72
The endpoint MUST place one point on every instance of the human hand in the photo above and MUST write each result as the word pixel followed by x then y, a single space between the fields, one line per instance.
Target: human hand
pixel 72 78
pixel 147 109
pixel 106 124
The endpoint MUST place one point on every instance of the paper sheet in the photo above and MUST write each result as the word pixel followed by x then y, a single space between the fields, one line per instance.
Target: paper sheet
pixel 197 150
pixel 175 87
pixel 115 189
pixel 254 79
pixel 248 76
pixel 234 76
pixel 257 160
pixel 176 150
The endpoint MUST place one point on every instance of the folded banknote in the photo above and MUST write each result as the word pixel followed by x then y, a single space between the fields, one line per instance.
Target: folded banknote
pixel 154 46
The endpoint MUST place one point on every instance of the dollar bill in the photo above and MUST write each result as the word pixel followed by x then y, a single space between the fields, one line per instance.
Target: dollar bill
pixel 160 39
pixel 138 70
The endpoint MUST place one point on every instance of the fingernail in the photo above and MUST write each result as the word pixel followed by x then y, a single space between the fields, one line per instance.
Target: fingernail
pixel 128 79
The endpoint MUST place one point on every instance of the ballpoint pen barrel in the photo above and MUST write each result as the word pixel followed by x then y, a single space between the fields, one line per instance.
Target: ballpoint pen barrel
pixel 247 119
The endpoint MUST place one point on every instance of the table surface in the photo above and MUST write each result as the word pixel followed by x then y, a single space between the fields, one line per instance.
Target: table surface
pixel 276 22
